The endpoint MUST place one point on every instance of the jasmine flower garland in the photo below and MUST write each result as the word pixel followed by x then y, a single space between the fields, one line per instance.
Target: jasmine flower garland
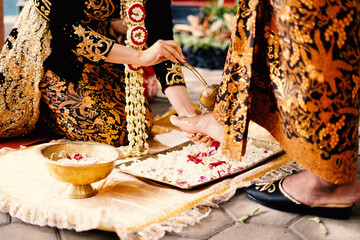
pixel 135 99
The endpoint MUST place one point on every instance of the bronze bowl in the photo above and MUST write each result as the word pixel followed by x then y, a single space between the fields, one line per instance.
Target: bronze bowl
pixel 208 96
pixel 80 176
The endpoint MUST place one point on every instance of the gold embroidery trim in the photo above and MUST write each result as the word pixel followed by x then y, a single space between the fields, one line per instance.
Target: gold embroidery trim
pixel 286 194
pixel 91 44
pixel 43 7
pixel 99 9
pixel 174 74
pixel 21 63
pixel 270 187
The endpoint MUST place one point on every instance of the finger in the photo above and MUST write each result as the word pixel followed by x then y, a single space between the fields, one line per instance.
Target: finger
pixel 174 49
pixel 168 50
pixel 170 54
pixel 192 137
pixel 199 137
pixel 206 140
pixel 177 53
pixel 209 142
pixel 174 44
pixel 164 53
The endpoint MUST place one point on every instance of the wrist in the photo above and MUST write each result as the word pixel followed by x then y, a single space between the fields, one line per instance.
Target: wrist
pixel 124 55
pixel 139 58
pixel 187 114
pixel 186 110
pixel 180 100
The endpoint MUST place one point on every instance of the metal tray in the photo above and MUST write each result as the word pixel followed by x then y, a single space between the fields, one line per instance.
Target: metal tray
pixel 270 146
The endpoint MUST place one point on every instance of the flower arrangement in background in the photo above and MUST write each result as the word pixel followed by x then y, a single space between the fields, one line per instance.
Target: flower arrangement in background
pixel 210 30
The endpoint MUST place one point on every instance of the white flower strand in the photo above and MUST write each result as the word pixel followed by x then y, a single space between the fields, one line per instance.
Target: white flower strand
pixel 135 98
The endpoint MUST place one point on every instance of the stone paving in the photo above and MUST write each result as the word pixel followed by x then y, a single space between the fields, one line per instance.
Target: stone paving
pixel 221 224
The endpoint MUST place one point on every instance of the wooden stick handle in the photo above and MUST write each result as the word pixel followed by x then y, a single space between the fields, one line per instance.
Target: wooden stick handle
pixel 196 73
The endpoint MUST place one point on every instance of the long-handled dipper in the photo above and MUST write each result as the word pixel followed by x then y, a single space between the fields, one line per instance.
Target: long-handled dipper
pixel 208 95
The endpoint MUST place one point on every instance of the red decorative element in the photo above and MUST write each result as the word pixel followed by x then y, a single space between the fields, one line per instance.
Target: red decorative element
pixel 150 83
pixel 215 164
pixel 131 12
pixel 203 179
pixel 133 68
pixel 215 144
pixel 195 159
pixel 138 41
pixel 78 156
pixel 212 152
pixel 181 183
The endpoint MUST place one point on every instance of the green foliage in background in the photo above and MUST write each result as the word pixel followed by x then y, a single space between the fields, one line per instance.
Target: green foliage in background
pixel 210 29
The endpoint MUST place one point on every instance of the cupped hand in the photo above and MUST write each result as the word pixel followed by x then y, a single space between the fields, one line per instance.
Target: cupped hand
pixel 161 51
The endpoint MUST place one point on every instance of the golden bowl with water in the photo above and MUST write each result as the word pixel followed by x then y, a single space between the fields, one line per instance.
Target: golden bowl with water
pixel 80 164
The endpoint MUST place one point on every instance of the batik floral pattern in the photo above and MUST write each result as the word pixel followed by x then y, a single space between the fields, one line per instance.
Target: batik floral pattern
pixel 306 91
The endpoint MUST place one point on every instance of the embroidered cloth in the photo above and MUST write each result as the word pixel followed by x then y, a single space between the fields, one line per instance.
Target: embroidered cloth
pixel 131 207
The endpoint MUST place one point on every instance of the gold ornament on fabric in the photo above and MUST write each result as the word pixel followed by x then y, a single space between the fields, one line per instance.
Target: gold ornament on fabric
pixel 21 64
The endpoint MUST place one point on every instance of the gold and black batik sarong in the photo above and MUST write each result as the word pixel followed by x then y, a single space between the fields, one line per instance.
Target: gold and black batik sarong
pixel 293 67
pixel 82 96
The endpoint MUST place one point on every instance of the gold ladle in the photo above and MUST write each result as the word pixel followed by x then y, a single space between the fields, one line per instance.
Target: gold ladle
pixel 208 95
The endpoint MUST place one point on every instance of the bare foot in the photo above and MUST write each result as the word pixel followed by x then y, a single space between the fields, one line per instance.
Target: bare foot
pixel 314 191
pixel 199 137
pixel 205 124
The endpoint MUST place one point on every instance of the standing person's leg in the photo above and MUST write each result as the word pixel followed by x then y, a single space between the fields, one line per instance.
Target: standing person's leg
pixel 318 109
pixel 317 98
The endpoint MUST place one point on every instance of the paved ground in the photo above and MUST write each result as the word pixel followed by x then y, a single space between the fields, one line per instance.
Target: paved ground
pixel 221 224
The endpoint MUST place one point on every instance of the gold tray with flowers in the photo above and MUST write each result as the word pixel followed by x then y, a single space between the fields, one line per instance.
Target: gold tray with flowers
pixel 192 165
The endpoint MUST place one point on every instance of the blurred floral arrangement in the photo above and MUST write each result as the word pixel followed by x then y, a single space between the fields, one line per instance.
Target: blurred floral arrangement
pixel 211 28
pixel 210 31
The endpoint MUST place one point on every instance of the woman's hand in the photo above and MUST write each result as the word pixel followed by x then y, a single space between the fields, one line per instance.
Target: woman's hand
pixel 158 52
pixel 161 51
